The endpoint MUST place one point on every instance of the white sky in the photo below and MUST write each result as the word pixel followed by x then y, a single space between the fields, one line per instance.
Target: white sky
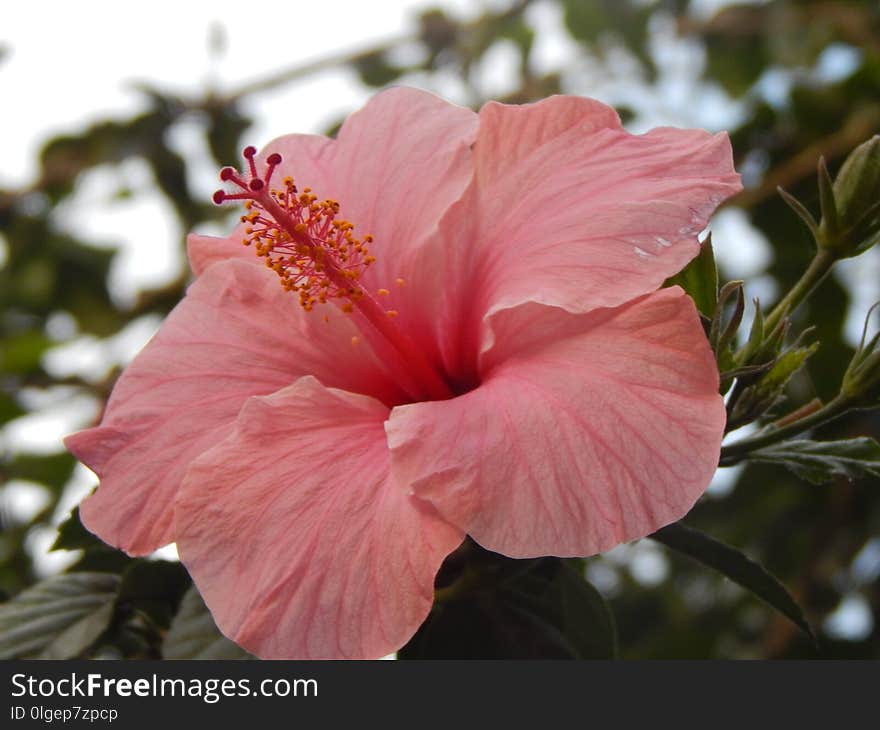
pixel 70 62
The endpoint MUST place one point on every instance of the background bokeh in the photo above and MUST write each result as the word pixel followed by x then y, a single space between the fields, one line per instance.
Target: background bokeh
pixel 116 119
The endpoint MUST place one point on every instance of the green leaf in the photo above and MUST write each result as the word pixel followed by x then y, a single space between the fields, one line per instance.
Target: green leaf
pixel 821 461
pixel 699 279
pixel 529 609
pixel 154 588
pixel 571 605
pixel 57 618
pixel 80 636
pixel 97 557
pixel 72 535
pixel 193 634
pixel 736 566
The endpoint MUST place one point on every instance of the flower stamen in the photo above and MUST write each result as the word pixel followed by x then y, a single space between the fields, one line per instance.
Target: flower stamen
pixel 316 254
pixel 320 258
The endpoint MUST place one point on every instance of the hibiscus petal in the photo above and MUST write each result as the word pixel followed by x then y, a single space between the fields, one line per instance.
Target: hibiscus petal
pixel 236 334
pixel 399 163
pixel 586 430
pixel 202 251
pixel 510 133
pixel 568 209
pixel 297 538
pixel 396 166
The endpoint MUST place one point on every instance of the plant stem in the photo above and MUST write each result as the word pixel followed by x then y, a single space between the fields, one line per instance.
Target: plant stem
pixel 739 450
pixel 812 277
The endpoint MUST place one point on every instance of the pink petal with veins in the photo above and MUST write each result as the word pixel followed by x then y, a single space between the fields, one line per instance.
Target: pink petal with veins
pixel 315 553
pixel 568 209
pixel 586 430
pixel 236 334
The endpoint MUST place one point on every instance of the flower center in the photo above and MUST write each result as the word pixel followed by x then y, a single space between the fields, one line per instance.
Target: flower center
pixel 316 254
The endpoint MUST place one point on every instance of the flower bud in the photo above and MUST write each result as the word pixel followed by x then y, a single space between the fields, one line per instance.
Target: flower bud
pixel 851 204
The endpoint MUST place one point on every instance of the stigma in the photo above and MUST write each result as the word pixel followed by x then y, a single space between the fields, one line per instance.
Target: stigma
pixel 314 252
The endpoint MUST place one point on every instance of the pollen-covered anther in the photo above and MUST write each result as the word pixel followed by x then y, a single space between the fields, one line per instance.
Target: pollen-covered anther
pixel 314 252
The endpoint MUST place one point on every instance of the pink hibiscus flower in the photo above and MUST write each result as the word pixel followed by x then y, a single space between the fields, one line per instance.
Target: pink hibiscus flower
pixel 504 368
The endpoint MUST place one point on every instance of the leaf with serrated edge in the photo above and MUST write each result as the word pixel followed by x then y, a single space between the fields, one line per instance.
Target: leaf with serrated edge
pixel 62 615
pixel 736 566
pixel 81 635
pixel 821 461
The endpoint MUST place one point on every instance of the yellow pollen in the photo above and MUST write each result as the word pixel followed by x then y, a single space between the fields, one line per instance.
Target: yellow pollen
pixel 400 282
pixel 391 313
pixel 315 253
pixel 383 292
pixel 355 340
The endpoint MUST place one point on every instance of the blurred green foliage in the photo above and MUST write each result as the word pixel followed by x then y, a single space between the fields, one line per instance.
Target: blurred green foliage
pixel 807 535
